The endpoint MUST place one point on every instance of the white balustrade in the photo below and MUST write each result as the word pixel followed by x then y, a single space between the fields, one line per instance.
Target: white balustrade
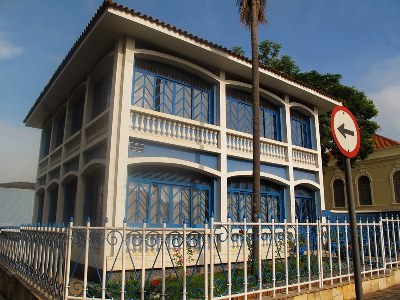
pixel 97 128
pixel 73 144
pixel 168 127
pixel 305 157
pixel 241 143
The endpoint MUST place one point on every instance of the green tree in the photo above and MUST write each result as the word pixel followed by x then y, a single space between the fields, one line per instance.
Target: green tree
pixel 356 101
pixel 238 50
pixel 270 57
pixel 252 13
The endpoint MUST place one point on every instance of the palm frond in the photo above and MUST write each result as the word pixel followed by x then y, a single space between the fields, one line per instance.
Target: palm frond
pixel 244 7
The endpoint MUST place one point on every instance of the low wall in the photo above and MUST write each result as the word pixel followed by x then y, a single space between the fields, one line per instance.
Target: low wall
pixel 12 287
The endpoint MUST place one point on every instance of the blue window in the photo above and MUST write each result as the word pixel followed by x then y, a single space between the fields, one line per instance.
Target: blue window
pixel 301 129
pixel 77 115
pixel 305 204
pixel 239 115
pixel 240 199
pixel 69 200
pixel 166 195
pixel 53 206
pixel 166 89
pixel 45 142
pixel 60 123
pixel 40 204
pixel 101 95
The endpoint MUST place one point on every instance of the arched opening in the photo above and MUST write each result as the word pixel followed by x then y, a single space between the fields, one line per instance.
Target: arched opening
pixel 40 204
pixel 396 185
pixel 240 199
pixel 93 206
pixel 305 207
pixel 53 199
pixel 338 193
pixel 157 195
pixel 364 190
pixel 70 192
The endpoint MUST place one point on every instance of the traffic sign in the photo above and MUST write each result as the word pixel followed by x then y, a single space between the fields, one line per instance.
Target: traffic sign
pixel 345 131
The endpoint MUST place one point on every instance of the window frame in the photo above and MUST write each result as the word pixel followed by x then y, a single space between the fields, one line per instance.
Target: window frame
pixel 359 190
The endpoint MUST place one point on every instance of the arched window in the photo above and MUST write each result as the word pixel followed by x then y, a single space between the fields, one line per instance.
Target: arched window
pixel 364 191
pixel 240 199
pixel 301 129
pixel 166 89
pixel 239 114
pixel 338 193
pixel 396 184
pixel 168 195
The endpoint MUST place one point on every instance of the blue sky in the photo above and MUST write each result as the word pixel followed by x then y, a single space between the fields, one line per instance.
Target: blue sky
pixel 359 39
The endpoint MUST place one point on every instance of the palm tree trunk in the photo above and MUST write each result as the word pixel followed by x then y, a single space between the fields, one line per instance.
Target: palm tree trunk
pixel 256 127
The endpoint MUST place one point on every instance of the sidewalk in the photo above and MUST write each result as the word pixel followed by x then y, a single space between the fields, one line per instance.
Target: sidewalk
pixel 389 293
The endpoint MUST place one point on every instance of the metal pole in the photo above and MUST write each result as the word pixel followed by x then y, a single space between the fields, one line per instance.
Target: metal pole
pixel 353 231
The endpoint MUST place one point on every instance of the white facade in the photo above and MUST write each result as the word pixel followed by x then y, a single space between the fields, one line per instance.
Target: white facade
pixel 102 136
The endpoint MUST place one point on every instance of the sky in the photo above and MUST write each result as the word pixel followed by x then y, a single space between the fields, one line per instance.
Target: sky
pixel 359 39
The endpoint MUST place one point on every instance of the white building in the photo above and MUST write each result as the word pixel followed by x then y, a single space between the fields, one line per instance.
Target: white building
pixel 145 122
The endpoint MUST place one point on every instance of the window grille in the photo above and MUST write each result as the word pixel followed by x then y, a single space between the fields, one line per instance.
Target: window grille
pixel 396 184
pixel 165 195
pixel 364 191
pixel 166 89
pixel 53 206
pixel 338 193
pixel 239 115
pixel 45 143
pixel 301 129
pixel 240 199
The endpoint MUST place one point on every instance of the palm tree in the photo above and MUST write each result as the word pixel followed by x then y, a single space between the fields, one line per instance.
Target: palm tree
pixel 252 13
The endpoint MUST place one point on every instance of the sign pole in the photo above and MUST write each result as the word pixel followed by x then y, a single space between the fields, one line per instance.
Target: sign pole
pixel 353 229
pixel 346 133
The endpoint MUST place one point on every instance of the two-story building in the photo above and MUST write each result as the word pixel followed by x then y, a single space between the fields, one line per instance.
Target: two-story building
pixel 148 123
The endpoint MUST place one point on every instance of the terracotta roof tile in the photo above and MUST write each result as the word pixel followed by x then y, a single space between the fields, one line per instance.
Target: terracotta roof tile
pixel 382 142
pixel 108 3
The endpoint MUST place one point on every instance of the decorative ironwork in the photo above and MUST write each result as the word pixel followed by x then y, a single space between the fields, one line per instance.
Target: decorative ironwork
pixel 168 90
pixel 301 129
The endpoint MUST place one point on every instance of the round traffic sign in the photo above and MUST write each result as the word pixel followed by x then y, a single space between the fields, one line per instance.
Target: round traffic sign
pixel 345 131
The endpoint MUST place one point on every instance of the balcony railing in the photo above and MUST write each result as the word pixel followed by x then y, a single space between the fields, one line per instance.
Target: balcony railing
pixel 305 157
pixel 73 144
pixel 242 144
pixel 97 127
pixel 213 262
pixel 148 124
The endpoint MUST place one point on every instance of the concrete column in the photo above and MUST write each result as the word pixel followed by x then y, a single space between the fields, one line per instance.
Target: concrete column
pixel 320 173
pixel 118 141
pixel 222 202
pixel 80 187
pixel 290 201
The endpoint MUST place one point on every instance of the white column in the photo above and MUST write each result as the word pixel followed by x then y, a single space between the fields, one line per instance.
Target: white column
pixel 223 158
pixel 319 159
pixel 291 201
pixel 116 168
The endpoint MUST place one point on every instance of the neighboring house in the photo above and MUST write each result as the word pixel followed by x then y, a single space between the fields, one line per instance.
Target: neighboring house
pixel 376 182
pixel 148 123
pixel 16 203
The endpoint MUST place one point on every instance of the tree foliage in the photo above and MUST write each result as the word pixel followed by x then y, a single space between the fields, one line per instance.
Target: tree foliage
pixel 355 100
